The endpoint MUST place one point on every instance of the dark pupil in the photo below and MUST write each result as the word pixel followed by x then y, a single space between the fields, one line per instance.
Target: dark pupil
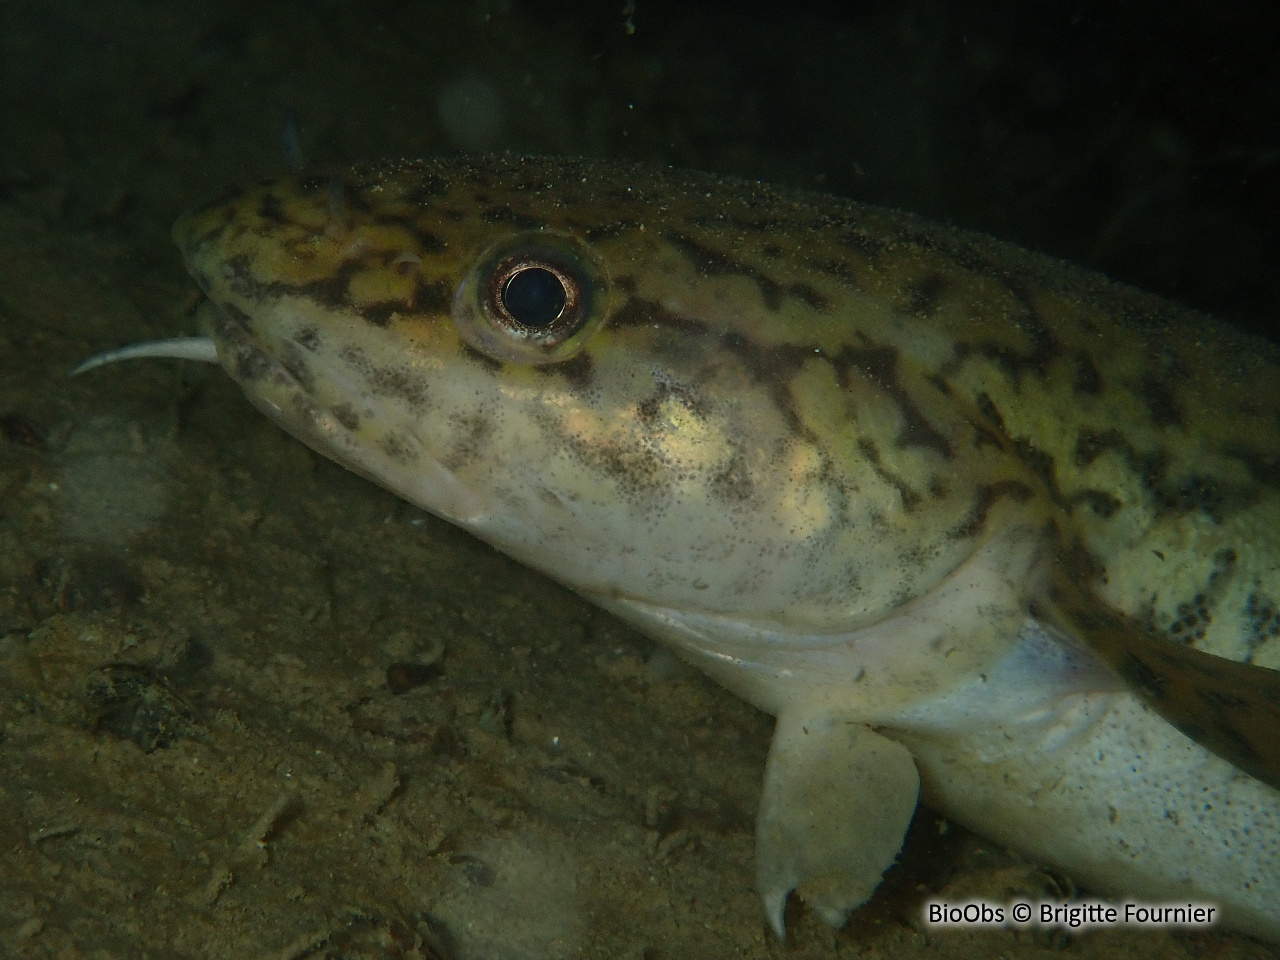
pixel 534 297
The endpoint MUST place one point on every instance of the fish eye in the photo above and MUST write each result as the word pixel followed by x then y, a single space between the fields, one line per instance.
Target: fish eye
pixel 532 298
pixel 536 296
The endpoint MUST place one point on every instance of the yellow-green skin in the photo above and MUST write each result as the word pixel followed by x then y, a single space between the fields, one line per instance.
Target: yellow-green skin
pixel 826 450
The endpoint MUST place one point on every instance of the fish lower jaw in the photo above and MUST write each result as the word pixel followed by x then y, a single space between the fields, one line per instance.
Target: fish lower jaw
pixel 403 466
pixel 413 475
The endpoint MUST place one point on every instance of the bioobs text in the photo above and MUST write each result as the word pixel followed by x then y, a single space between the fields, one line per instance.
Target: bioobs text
pixel 1075 915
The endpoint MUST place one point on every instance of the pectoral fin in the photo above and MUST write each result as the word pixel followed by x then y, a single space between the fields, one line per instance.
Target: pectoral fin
pixel 837 801
pixel 1231 708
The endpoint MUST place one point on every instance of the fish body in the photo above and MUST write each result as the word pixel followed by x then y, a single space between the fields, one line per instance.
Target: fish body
pixel 871 473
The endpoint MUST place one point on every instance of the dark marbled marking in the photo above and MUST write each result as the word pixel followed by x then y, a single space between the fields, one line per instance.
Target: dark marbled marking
pixel 647 410
pixel 1100 502
pixel 271 209
pixel 403 384
pixel 910 499
pixel 638 470
pixel 470 440
pixel 856 238
pixel 733 484
pixel 332 291
pixel 1151 468
pixel 427 241
pixel 1042 465
pixel 773 367
pixel 380 314
pixel 428 296
pixel 810 296
pixel 710 263
pixel 1264 470
pixel 951 244
pixel 838 270
pixel 295 364
pixel 990 431
pixel 1225 562
pixel 396 449
pixel 1087 380
pixel 308 338
pixel 431 296
pixel 1263 616
pixel 578 371
pixel 346 415
pixel 1204 493
pixel 1045 346
pixel 776 367
pixel 880 366
pixel 1161 404
pixel 1193 619
pixel 248 364
pixel 1090 445
pixel 924 295
pixel 237 274
pixel 986 498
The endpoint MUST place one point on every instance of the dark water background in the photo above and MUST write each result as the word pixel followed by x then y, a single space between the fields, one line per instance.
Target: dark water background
pixel 1141 139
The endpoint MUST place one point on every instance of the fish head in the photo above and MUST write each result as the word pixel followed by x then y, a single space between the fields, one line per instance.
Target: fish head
pixel 598 371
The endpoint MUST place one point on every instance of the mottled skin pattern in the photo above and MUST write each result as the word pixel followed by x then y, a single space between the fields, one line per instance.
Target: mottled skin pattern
pixel 926 378
pixel 792 413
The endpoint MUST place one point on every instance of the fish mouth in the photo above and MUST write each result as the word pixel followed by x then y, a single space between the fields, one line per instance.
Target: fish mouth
pixel 285 387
